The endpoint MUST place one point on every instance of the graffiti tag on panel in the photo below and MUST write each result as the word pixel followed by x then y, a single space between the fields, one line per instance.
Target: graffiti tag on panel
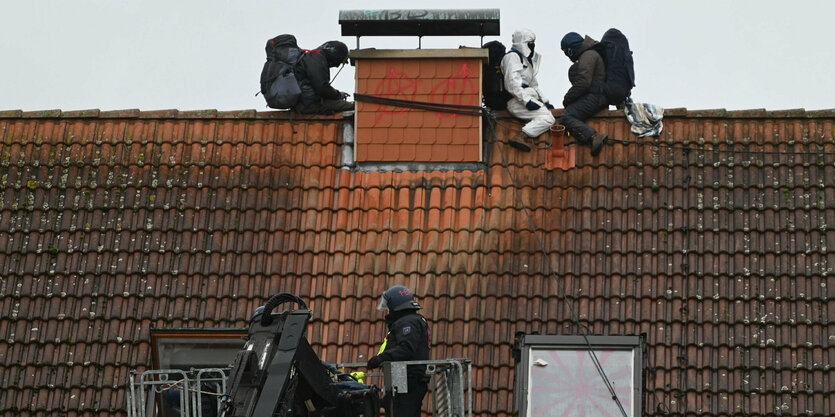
pixel 459 89
pixel 455 89
pixel 395 84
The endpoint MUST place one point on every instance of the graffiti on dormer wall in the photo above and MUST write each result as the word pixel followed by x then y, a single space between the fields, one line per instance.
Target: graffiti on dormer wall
pixel 459 89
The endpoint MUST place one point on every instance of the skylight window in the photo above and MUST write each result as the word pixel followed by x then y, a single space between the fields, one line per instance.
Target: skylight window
pixel 557 376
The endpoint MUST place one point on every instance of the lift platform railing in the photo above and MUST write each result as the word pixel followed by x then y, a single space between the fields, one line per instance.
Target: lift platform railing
pixel 176 392
pixel 450 383
pixel 196 392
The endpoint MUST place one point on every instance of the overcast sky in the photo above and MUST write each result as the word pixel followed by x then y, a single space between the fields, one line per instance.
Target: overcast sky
pixel 207 54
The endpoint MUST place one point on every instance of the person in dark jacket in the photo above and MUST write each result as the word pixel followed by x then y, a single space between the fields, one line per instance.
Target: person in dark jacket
pixel 407 340
pixel 585 97
pixel 313 74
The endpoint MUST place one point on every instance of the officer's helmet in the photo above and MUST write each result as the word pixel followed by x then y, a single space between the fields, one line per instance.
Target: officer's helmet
pixel 398 298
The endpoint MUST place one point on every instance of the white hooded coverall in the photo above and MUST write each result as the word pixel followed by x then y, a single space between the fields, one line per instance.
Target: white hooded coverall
pixel 523 71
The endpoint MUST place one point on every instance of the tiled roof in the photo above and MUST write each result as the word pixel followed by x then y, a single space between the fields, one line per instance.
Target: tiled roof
pixel 112 223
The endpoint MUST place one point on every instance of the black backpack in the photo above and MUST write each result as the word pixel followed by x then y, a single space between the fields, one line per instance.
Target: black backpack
pixel 620 69
pixel 278 79
pixel 492 79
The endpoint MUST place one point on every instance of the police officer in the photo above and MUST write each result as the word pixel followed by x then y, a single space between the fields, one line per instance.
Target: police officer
pixel 407 340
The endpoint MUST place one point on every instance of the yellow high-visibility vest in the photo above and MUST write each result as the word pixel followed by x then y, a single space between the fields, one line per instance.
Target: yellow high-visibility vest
pixel 359 376
pixel 383 346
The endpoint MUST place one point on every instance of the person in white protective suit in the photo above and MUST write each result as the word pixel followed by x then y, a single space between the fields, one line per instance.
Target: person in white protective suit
pixel 520 67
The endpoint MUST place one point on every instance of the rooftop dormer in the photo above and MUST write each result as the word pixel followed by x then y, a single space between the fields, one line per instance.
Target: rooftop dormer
pixel 418 106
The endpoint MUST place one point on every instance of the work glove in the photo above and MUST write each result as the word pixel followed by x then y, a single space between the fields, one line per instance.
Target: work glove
pixel 549 106
pixel 374 362
pixel 531 105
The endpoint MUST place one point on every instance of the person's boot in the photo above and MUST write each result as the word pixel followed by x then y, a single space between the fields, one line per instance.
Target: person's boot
pixel 597 142
pixel 520 141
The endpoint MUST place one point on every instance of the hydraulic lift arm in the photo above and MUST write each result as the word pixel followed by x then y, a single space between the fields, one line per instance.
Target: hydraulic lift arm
pixel 278 374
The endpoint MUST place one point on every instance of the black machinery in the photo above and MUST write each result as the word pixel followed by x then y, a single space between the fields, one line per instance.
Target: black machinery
pixel 278 374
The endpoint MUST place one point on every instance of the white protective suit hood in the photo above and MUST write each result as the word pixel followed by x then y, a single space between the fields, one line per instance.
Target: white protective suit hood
pixel 521 38
pixel 520 73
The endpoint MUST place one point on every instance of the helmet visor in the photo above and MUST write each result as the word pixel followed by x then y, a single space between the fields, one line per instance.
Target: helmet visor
pixel 383 304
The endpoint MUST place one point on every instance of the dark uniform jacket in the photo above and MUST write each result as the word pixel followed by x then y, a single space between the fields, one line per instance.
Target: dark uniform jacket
pixel 586 74
pixel 407 340
pixel 313 74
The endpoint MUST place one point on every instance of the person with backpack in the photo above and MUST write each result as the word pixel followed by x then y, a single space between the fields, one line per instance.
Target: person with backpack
pixel 587 95
pixel 494 95
pixel 313 74
pixel 520 67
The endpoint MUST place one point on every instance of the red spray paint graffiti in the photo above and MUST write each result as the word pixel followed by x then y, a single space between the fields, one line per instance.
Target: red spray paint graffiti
pixel 395 85
pixel 455 90
pixel 460 89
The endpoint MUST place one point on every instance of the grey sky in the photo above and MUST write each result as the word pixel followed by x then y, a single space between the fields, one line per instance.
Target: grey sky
pixel 207 54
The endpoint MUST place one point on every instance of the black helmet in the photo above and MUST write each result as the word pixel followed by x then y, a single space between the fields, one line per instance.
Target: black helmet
pixel 398 298
pixel 335 52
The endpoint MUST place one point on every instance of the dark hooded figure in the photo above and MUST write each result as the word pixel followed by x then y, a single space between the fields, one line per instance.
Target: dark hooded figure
pixel 585 97
pixel 313 74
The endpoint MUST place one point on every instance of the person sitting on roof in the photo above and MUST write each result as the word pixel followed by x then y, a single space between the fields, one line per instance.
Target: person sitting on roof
pixel 520 67
pixel 313 74
pixel 585 97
